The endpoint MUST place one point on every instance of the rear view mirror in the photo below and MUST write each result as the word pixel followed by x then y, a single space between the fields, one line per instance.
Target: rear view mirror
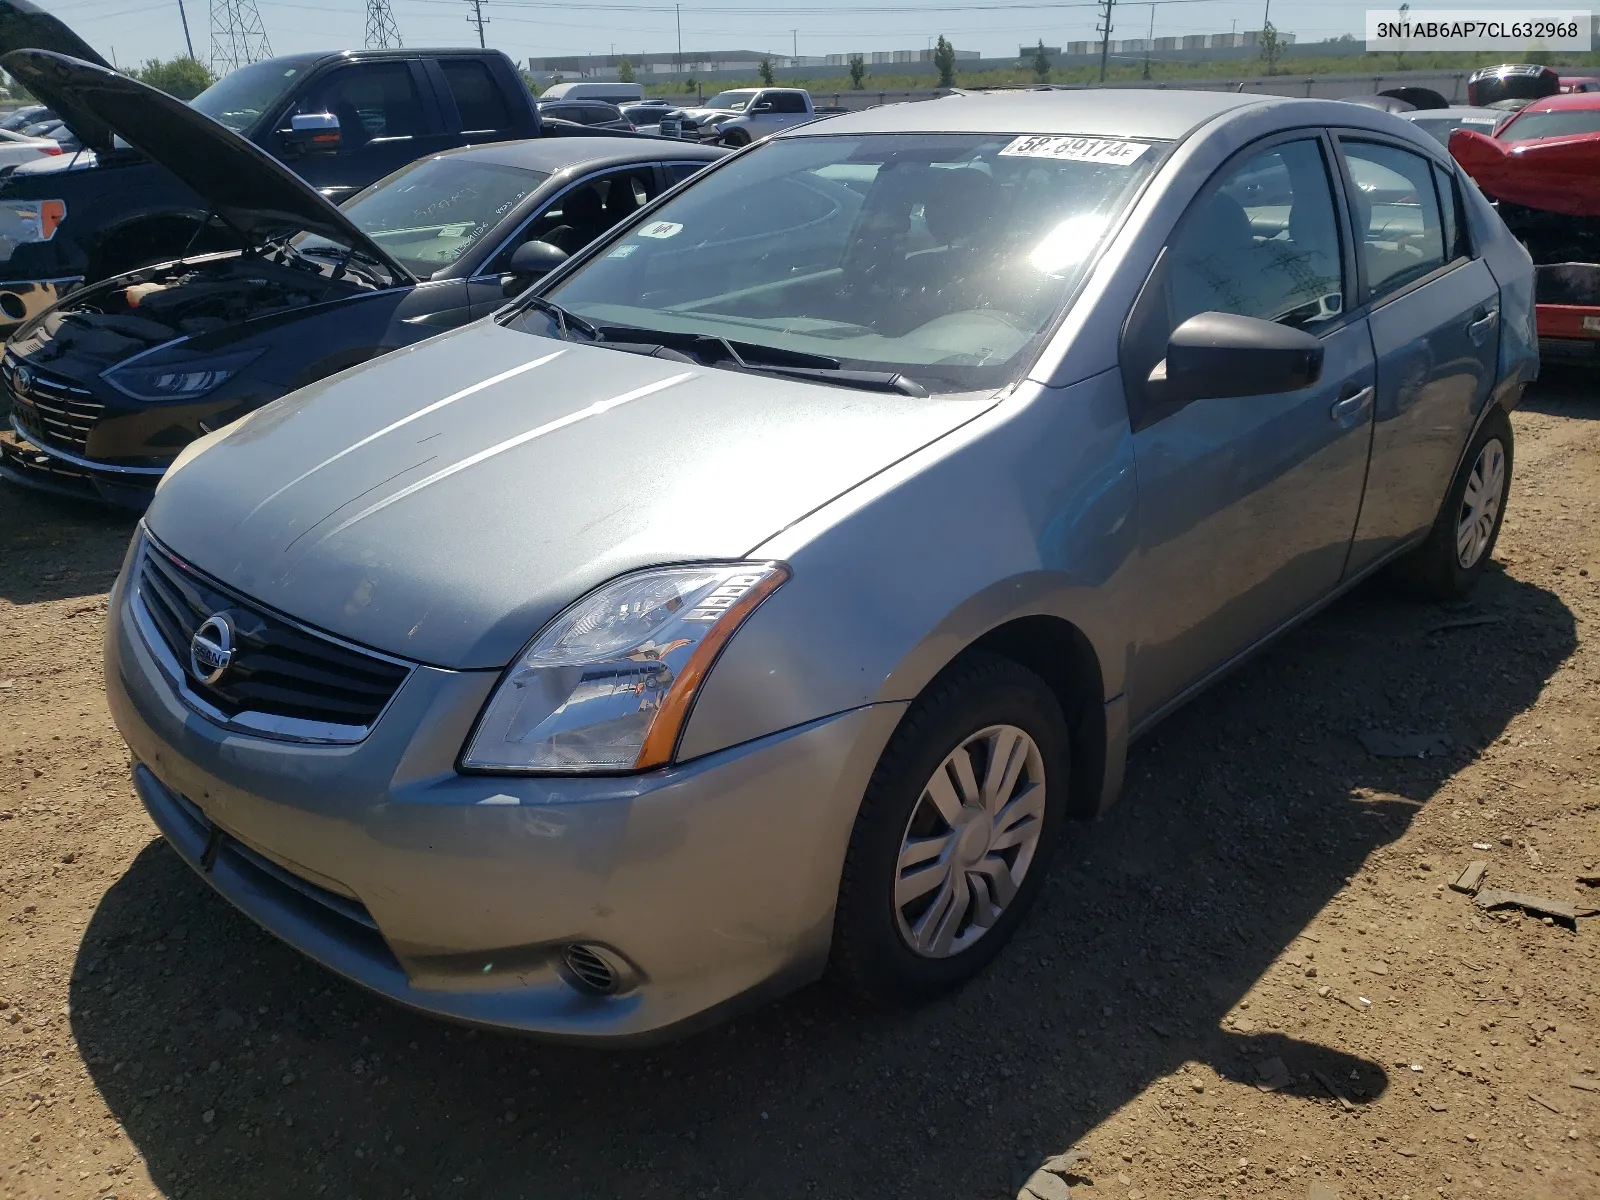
pixel 1220 354
pixel 529 261
pixel 310 133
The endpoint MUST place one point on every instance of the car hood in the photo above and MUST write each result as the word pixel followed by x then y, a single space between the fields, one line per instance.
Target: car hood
pixel 246 187
pixel 443 502
pixel 1554 174
pixel 24 26
pixel 700 115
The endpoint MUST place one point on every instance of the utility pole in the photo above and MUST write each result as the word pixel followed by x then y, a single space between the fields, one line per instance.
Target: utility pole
pixel 795 50
pixel 1104 30
pixel 477 18
pixel 677 10
pixel 184 17
pixel 1150 39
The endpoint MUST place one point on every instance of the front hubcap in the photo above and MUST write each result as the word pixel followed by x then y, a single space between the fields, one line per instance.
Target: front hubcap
pixel 1480 504
pixel 970 841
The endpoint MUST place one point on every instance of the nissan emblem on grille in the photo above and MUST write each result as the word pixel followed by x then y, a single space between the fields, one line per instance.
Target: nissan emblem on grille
pixel 211 649
pixel 22 381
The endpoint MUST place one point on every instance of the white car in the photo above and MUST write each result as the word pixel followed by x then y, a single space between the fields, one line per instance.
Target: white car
pixel 18 148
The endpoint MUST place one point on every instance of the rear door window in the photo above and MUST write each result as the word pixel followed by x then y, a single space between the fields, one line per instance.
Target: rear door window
pixel 478 97
pixel 1398 224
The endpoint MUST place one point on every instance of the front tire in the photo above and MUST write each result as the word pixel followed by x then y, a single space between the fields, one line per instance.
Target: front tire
pixel 954 835
pixel 736 139
pixel 1449 564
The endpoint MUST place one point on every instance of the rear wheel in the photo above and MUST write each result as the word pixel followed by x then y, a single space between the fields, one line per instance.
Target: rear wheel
pixel 1450 563
pixel 954 835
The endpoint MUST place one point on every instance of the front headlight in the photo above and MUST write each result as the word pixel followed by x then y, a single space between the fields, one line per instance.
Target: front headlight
pixel 179 381
pixel 608 684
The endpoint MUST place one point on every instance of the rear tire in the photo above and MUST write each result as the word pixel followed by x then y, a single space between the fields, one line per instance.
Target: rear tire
pixel 1449 564
pixel 955 833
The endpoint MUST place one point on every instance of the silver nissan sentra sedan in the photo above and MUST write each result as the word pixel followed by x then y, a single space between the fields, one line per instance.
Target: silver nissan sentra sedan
pixel 763 596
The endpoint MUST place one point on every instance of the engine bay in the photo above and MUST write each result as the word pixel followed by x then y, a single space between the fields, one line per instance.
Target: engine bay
pixel 110 321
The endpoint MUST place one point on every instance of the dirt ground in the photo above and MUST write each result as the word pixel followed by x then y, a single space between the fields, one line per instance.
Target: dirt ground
pixel 1267 889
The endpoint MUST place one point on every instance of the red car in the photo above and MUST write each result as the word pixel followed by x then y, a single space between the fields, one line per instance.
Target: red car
pixel 1542 170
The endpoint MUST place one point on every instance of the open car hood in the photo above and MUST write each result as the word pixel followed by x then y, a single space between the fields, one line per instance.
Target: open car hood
pixel 25 27
pixel 247 188
pixel 1553 174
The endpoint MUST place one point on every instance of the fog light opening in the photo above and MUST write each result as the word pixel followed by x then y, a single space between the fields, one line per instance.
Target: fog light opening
pixel 590 969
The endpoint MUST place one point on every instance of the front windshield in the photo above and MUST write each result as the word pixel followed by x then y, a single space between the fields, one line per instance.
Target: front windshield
pixel 238 100
pixel 941 257
pixel 429 214
pixel 730 101
pixel 1562 123
pixel 1439 128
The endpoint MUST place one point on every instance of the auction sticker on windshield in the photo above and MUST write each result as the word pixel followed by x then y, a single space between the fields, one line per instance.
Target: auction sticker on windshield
pixel 660 229
pixel 1112 151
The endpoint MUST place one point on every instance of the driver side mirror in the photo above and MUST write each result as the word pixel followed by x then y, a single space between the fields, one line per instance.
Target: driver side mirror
pixel 528 262
pixel 1221 354
pixel 761 106
pixel 312 133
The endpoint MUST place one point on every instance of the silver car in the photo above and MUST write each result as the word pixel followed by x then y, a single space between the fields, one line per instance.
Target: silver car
pixel 766 592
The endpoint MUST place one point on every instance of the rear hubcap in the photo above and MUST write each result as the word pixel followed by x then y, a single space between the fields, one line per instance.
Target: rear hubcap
pixel 970 841
pixel 1480 504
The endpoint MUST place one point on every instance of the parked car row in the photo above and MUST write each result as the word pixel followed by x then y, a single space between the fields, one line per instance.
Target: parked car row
pixel 109 384
pixel 340 121
pixel 763 591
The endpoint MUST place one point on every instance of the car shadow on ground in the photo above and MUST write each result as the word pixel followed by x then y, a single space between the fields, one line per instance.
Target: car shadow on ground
pixel 238 1069
pixel 1565 391
pixel 53 548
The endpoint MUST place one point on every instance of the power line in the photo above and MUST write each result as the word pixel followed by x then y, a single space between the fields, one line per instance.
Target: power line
pixel 382 32
pixel 237 36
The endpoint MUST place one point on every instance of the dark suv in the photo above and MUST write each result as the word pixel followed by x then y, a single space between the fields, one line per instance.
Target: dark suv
pixel 340 120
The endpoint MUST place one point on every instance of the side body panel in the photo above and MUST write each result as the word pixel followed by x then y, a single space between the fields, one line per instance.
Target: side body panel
pixel 1436 348
pixel 1247 506
pixel 1029 510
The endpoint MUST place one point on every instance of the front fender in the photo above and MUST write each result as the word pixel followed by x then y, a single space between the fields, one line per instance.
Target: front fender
pixel 1028 510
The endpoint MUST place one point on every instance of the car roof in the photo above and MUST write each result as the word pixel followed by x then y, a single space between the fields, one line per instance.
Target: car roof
pixel 1570 101
pixel 1455 110
pixel 1104 112
pixel 551 155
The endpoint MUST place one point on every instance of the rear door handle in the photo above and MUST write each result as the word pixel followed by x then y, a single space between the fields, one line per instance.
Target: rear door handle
pixel 1482 323
pixel 1352 404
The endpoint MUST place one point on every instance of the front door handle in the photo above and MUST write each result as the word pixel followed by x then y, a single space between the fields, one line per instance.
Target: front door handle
pixel 1483 321
pixel 1351 405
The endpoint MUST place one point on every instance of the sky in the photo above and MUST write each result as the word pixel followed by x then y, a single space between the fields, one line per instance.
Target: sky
pixel 130 31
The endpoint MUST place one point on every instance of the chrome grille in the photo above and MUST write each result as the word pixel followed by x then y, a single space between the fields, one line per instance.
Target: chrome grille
pixel 54 412
pixel 670 127
pixel 283 680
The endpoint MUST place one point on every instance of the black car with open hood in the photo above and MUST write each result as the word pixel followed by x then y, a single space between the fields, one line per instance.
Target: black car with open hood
pixel 107 386
pixel 338 120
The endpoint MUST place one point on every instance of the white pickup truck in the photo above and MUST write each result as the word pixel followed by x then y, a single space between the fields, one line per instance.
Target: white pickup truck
pixel 740 117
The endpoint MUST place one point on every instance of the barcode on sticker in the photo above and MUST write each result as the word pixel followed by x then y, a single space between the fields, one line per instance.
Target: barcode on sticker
pixel 1112 151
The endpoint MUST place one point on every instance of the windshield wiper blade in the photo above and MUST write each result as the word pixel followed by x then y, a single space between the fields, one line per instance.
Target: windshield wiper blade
pixel 867 381
pixel 565 321
pixel 767 360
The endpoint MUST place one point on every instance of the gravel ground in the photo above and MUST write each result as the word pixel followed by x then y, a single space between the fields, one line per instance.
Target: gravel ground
pixel 1266 890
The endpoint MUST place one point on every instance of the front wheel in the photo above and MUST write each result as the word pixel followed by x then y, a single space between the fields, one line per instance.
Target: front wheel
pixel 1449 564
pixel 736 138
pixel 954 835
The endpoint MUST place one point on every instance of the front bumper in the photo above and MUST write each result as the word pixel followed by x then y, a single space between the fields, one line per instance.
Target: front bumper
pixel 43 468
pixel 713 882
